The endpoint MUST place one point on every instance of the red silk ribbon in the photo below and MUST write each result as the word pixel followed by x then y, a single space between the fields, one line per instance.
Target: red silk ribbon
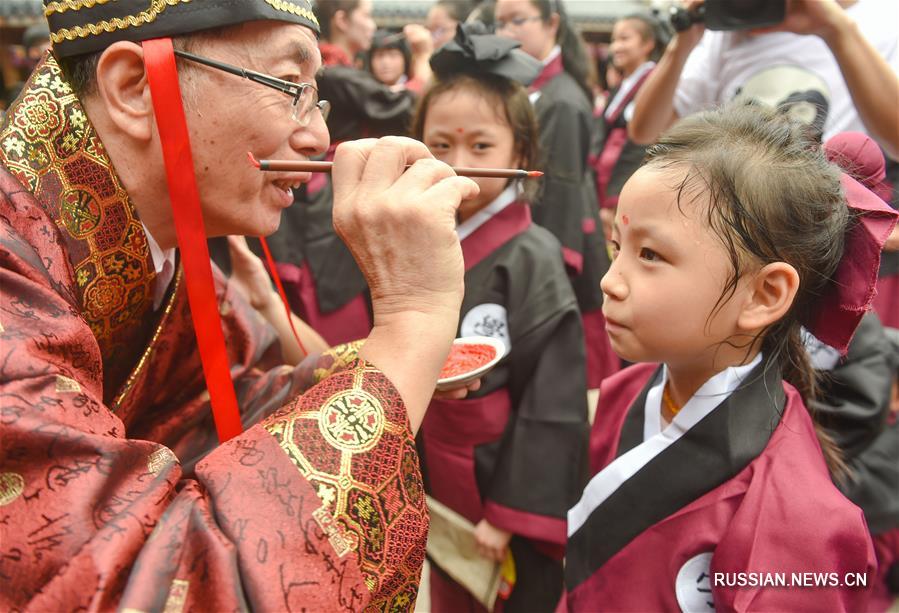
pixel 162 76
pixel 274 272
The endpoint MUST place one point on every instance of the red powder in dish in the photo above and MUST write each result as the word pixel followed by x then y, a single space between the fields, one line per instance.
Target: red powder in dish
pixel 466 358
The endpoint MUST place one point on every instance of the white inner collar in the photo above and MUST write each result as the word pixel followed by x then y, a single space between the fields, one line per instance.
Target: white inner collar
pixel 553 54
pixel 627 85
pixel 506 197
pixel 655 440
pixel 710 395
pixel 163 264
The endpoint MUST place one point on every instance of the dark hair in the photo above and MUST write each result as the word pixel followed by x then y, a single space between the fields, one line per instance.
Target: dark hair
pixel 652 29
pixel 326 9
pixel 458 10
pixel 394 41
pixel 81 70
pixel 773 197
pixel 483 12
pixel 574 56
pixel 508 95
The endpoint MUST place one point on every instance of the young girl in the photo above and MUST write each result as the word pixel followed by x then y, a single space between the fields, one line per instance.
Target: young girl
pixel 637 42
pixel 712 490
pixel 567 204
pixel 507 458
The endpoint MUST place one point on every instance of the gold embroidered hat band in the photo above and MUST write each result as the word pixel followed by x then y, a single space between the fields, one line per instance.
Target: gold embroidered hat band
pixel 86 26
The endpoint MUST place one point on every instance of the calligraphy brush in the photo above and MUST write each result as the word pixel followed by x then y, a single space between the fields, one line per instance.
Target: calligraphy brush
pixel 312 166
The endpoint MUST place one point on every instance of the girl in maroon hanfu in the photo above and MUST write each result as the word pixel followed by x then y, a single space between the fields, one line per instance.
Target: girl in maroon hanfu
pixel 711 489
pixel 566 204
pixel 509 458
pixel 637 41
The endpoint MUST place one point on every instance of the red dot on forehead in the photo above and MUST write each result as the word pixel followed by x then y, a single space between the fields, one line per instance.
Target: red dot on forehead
pixel 460 130
pixel 625 219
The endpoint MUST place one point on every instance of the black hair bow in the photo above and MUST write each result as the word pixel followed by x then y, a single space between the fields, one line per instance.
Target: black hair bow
pixel 474 51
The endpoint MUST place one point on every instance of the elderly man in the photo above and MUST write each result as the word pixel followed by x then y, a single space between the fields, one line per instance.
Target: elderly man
pixel 113 492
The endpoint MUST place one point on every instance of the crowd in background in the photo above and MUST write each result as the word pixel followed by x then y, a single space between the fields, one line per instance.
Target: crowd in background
pixel 586 121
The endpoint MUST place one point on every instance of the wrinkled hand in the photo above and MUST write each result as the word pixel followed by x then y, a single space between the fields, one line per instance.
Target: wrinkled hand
pixel 400 225
pixel 492 542
pixel 248 274
pixel 818 17
pixel 419 38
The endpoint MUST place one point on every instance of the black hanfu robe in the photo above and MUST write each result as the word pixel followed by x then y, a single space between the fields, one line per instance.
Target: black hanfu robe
pixel 731 507
pixel 567 204
pixel 514 452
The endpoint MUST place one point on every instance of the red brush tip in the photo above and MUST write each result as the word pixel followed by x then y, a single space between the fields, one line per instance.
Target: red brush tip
pixel 256 163
pixel 533 174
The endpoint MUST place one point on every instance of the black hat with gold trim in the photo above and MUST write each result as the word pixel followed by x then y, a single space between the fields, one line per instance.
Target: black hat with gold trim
pixel 86 26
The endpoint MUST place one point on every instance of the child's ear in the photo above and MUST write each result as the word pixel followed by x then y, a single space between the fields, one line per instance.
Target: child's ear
pixel 770 295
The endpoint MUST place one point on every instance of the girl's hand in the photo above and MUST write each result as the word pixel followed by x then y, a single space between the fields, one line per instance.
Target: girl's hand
pixel 458 393
pixel 493 543
pixel 248 274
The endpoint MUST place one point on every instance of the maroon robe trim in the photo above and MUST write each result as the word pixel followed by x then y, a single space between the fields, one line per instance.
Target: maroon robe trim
pixel 624 388
pixel 615 142
pixel 529 525
pixel 451 430
pixel 549 72
pixel 718 447
pixel 495 232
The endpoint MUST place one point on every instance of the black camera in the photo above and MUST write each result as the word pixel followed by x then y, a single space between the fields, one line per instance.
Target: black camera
pixel 731 14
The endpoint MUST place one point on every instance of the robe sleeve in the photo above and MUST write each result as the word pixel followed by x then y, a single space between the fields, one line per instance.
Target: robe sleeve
pixel 320 506
pixel 792 520
pixel 855 395
pixel 565 134
pixel 541 462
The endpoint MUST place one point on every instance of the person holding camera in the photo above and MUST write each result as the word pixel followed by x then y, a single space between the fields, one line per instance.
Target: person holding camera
pixel 842 79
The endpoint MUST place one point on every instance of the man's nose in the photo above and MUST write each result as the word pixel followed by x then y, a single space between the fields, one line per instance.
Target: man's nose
pixel 313 139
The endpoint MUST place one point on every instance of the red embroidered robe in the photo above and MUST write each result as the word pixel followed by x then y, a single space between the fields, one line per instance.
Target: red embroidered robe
pixel 113 493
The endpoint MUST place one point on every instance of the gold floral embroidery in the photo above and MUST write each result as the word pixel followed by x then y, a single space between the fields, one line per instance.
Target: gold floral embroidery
pixel 11 487
pixel 65 385
pixel 177 596
pixel 116 23
pixel 70 5
pixel 293 9
pixel 159 459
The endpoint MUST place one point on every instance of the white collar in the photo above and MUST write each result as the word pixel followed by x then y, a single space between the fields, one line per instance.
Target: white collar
pixel 553 54
pixel 712 393
pixel 163 264
pixel 507 197
pixel 626 86
pixel 706 399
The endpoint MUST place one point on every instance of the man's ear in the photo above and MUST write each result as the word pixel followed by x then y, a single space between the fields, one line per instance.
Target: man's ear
pixel 123 89
pixel 771 294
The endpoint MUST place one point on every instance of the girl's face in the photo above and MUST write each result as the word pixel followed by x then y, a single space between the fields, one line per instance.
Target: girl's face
pixel 668 272
pixel 441 26
pixel 465 128
pixel 521 20
pixel 629 48
pixel 360 27
pixel 388 65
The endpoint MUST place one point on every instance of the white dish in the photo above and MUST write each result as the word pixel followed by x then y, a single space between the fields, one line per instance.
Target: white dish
pixel 465 378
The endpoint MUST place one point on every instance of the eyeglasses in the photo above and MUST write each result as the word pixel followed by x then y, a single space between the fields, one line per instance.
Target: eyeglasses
pixel 515 23
pixel 304 95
